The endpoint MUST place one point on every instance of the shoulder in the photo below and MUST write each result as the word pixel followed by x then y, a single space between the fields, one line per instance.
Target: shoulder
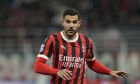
pixel 85 36
pixel 52 36
pixel 49 38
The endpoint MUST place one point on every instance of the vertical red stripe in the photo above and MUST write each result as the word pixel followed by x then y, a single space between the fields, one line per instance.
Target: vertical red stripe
pixel 90 51
pixel 61 51
pixel 54 56
pixel 48 43
pixel 83 43
pixel 84 54
pixel 69 53
pixel 77 54
pixel 91 42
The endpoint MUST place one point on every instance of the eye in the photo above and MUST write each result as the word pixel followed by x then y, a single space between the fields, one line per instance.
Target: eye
pixel 67 21
pixel 75 21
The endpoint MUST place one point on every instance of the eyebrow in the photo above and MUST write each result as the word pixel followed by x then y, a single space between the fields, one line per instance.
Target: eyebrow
pixel 72 21
pixel 75 20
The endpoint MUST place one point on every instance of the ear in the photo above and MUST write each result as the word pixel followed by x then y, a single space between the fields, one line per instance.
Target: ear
pixel 79 23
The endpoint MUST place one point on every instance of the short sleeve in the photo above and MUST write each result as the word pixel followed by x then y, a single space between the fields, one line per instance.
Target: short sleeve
pixel 46 48
pixel 90 51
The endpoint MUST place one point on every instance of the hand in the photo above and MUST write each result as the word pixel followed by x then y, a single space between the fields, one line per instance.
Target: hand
pixel 65 74
pixel 119 74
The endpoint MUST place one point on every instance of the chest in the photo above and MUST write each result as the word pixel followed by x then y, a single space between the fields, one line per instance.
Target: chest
pixel 71 49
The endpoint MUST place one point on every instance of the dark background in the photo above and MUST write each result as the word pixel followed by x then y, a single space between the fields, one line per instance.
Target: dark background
pixel 114 26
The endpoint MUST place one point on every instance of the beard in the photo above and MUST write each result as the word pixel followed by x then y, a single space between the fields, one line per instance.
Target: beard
pixel 70 33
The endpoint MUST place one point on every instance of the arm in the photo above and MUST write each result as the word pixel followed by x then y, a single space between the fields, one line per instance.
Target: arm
pixel 96 66
pixel 40 65
pixel 45 52
pixel 42 68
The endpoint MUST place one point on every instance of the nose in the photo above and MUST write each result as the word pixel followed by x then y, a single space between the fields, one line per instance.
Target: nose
pixel 71 25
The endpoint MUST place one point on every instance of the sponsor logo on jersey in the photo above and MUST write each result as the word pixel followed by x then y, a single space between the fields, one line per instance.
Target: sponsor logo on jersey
pixel 69 61
pixel 42 48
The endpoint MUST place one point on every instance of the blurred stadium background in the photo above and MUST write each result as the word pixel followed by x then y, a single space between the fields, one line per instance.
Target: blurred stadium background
pixel 113 24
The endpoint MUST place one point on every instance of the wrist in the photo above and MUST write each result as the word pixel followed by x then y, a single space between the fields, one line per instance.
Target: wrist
pixel 56 71
pixel 110 72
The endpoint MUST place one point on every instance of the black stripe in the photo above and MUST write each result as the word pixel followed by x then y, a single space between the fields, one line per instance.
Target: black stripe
pixel 57 56
pixel 91 50
pixel 50 49
pixel 87 43
pixel 73 55
pixel 64 54
pixel 56 51
pixel 81 55
pixel 44 43
pixel 83 75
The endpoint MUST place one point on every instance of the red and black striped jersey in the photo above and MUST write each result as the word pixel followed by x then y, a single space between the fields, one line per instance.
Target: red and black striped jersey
pixel 68 54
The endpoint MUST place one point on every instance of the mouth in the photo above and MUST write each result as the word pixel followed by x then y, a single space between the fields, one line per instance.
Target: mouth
pixel 70 31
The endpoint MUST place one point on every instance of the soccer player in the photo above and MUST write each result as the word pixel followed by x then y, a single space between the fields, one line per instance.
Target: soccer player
pixel 70 51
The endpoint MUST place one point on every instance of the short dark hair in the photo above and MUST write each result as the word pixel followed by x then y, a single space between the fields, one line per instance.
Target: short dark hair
pixel 71 12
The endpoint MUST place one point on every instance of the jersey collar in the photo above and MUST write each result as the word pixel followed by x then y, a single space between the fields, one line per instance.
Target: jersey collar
pixel 68 40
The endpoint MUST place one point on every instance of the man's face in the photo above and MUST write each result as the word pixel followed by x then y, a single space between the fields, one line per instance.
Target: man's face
pixel 71 24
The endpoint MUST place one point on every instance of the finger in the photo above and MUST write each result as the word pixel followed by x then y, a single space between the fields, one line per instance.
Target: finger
pixel 65 76
pixel 126 74
pixel 62 77
pixel 69 72
pixel 123 76
pixel 120 73
pixel 123 71
pixel 60 74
